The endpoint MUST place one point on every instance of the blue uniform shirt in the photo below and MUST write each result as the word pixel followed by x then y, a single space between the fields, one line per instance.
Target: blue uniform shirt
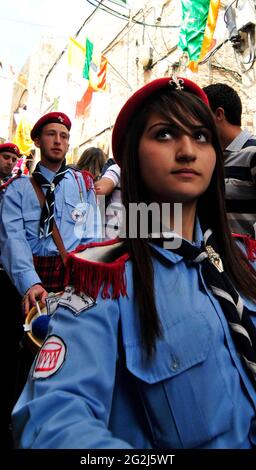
pixel 2 187
pixel 75 215
pixel 90 388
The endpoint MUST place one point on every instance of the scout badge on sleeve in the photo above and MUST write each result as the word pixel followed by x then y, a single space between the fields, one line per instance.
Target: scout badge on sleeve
pixel 76 303
pixel 50 358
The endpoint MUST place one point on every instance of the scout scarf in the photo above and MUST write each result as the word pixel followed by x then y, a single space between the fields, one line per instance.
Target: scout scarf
pixel 236 313
pixel 47 214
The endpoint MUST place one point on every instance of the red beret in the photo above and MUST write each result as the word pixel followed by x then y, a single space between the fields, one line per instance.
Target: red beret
pixel 60 118
pixel 135 101
pixel 10 147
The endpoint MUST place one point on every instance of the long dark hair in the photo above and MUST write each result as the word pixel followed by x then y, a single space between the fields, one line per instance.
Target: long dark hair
pixel 92 160
pixel 177 107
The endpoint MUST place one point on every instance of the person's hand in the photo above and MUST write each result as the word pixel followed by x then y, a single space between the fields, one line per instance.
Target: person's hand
pixel 36 292
pixel 104 186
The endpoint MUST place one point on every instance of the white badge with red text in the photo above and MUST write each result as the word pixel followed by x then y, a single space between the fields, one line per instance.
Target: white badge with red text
pixel 50 358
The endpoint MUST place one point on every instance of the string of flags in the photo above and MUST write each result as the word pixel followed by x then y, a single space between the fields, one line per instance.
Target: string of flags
pixel 87 72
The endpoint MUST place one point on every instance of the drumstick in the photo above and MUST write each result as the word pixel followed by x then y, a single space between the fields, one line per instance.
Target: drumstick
pixel 38 308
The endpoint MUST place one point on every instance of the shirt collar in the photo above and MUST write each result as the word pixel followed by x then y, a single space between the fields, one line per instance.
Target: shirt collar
pixel 170 254
pixel 239 141
pixel 48 174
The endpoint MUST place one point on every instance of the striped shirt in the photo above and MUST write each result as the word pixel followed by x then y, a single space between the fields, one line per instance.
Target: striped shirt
pixel 114 214
pixel 240 181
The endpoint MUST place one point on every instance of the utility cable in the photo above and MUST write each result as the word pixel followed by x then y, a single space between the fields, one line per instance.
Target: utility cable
pixel 64 50
pixel 125 17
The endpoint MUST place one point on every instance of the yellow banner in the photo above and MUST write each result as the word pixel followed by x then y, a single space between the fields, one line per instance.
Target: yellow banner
pixel 22 136
pixel 76 55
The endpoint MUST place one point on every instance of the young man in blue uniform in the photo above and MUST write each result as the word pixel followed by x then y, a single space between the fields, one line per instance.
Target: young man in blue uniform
pixel 29 253
pixel 26 234
pixel 9 154
pixel 153 343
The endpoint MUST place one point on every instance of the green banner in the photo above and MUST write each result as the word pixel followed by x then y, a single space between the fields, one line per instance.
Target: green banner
pixel 194 18
pixel 88 58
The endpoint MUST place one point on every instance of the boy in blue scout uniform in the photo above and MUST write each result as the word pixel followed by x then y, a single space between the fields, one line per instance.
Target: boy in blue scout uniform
pixel 29 254
pixel 151 346
pixel 9 154
pixel 68 200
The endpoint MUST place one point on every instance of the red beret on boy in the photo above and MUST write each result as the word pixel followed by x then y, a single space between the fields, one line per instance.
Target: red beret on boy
pixel 60 118
pixel 10 147
pixel 134 103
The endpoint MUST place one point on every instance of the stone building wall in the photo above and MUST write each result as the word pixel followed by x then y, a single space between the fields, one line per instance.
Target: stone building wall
pixel 159 35
pixel 152 30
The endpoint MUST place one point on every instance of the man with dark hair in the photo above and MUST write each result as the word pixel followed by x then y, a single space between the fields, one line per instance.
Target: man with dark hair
pixel 239 149
pixel 9 155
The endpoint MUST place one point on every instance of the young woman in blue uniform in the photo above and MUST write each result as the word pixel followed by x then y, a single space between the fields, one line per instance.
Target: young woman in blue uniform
pixel 151 346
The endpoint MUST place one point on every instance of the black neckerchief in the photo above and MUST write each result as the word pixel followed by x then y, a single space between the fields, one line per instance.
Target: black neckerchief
pixel 47 214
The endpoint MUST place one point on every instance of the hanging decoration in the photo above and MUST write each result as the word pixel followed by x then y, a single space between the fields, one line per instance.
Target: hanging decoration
pixel 199 18
pixel 87 73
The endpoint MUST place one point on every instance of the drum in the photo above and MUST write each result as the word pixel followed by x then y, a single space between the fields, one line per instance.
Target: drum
pixel 34 342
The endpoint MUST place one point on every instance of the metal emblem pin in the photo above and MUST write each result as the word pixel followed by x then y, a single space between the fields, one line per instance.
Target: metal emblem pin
pixel 52 186
pixel 77 215
pixel 176 83
pixel 214 258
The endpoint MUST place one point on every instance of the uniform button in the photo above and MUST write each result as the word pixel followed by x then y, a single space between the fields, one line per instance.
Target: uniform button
pixel 175 364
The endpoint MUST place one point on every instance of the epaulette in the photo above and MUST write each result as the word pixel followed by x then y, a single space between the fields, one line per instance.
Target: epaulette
pixel 249 244
pixel 10 180
pixel 98 265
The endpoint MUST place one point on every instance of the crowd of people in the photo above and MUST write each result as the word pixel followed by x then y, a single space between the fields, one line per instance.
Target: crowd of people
pixel 151 332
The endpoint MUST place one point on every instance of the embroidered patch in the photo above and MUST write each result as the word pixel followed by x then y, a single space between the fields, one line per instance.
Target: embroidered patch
pixel 52 302
pixel 76 303
pixel 79 213
pixel 50 358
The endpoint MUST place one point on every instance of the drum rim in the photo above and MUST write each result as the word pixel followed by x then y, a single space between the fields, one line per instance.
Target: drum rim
pixel 29 317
